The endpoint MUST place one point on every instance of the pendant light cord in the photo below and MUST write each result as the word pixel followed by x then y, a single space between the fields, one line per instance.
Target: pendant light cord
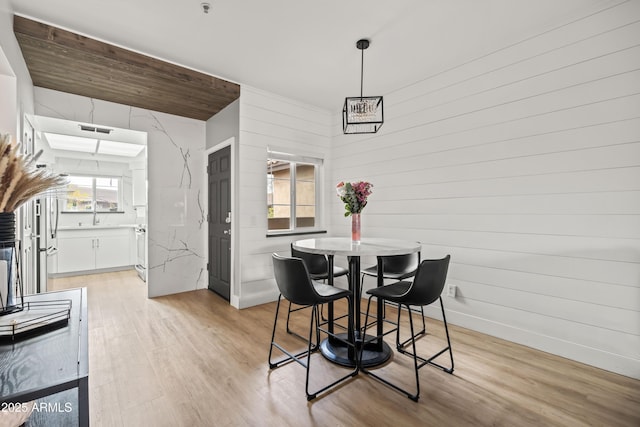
pixel 361 72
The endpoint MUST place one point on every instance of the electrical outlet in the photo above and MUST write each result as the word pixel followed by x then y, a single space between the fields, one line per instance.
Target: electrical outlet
pixel 452 290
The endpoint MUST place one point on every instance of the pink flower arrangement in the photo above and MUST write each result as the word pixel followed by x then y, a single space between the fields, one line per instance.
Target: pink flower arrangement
pixel 354 195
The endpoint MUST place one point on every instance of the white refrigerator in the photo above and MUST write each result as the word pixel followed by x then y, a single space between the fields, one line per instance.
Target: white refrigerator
pixel 47 212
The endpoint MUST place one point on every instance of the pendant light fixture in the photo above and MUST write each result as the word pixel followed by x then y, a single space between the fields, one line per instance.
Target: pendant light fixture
pixel 362 114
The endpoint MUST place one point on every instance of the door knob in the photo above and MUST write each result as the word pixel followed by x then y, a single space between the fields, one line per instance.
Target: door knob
pixel 227 232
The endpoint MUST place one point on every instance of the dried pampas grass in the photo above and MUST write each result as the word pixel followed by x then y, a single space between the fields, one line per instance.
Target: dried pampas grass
pixel 20 180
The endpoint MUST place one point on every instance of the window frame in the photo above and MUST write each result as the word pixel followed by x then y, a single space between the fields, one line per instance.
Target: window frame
pixel 94 204
pixel 294 160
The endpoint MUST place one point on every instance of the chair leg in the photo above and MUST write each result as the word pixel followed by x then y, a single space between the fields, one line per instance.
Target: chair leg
pixel 411 396
pixel 384 306
pixel 311 328
pixel 324 319
pixel 430 360
pixel 418 361
pixel 273 332
pixel 362 288
pixel 314 327
pixel 415 396
pixel 446 330
pixel 289 330
pixel 418 334
pixel 290 357
pixel 315 312
pixel 364 334
pixel 288 316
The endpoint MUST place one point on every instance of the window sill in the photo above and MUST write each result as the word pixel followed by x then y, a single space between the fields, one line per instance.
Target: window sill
pixel 296 233
pixel 91 212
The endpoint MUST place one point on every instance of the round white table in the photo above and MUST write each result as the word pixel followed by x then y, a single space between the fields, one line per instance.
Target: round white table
pixel 378 352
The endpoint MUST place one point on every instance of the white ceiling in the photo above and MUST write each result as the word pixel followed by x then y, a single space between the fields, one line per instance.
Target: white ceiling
pixel 49 125
pixel 305 49
pixel 69 127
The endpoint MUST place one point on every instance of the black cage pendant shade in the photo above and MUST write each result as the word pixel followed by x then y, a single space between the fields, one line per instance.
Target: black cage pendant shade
pixel 362 114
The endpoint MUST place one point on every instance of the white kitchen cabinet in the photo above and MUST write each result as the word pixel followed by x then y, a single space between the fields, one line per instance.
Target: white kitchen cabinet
pixel 113 251
pixel 90 249
pixel 75 254
pixel 139 187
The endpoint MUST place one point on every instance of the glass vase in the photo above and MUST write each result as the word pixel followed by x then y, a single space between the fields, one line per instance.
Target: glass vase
pixel 7 226
pixel 355 228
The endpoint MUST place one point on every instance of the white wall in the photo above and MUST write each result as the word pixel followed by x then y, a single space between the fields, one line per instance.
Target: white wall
pixel 224 125
pixel 267 120
pixel 15 81
pixel 8 111
pixel 175 147
pixel 524 165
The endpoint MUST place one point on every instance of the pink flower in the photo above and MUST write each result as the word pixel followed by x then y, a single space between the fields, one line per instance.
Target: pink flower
pixel 354 195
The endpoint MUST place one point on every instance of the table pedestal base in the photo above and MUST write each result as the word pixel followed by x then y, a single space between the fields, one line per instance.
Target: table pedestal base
pixel 338 352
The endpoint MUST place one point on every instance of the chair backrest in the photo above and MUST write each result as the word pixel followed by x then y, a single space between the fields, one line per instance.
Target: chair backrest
pixel 400 264
pixel 428 282
pixel 294 283
pixel 316 263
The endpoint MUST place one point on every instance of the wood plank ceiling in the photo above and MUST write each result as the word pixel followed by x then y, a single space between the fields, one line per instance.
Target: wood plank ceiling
pixel 68 62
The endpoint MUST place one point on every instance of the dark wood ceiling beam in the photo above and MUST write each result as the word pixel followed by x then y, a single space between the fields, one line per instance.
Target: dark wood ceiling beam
pixel 127 79
pixel 61 60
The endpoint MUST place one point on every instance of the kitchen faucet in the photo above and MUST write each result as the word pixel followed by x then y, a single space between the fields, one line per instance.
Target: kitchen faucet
pixel 96 220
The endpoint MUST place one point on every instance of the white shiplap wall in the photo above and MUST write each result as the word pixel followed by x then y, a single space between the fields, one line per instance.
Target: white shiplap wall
pixel 524 165
pixel 267 120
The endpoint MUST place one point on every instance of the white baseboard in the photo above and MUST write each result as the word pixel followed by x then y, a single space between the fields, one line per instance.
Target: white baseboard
pixel 94 271
pixel 579 353
pixel 258 298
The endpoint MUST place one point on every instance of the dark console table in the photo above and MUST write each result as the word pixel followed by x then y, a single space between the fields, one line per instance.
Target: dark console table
pixel 49 363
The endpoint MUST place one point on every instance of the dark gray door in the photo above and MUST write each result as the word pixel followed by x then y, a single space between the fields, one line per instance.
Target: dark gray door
pixel 219 171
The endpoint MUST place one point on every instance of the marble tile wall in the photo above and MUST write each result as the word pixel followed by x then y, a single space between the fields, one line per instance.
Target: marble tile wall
pixel 176 215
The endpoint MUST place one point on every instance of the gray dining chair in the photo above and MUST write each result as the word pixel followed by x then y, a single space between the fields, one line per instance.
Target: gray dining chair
pixel 318 270
pixel 396 267
pixel 425 289
pixel 296 286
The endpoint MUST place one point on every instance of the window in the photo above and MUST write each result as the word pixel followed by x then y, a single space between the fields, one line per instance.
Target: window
pixel 292 193
pixel 89 194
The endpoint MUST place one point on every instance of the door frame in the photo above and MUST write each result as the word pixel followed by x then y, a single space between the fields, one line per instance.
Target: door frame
pixel 234 294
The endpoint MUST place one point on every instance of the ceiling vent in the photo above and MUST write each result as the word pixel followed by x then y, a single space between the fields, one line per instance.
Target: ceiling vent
pixel 95 129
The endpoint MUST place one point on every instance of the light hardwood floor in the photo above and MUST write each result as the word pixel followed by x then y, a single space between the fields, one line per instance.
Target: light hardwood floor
pixel 192 360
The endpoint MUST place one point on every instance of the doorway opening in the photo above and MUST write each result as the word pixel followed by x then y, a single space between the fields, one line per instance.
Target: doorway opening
pixel 91 225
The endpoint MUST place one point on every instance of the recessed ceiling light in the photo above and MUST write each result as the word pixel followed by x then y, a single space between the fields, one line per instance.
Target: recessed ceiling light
pixel 119 148
pixel 71 143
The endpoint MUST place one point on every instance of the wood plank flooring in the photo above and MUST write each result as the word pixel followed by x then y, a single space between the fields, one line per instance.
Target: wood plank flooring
pixel 192 360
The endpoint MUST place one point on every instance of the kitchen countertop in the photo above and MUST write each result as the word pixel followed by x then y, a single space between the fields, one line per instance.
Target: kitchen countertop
pixel 95 227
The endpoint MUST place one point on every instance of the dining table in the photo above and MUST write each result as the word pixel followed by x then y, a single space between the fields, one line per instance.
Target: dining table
pixel 377 352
